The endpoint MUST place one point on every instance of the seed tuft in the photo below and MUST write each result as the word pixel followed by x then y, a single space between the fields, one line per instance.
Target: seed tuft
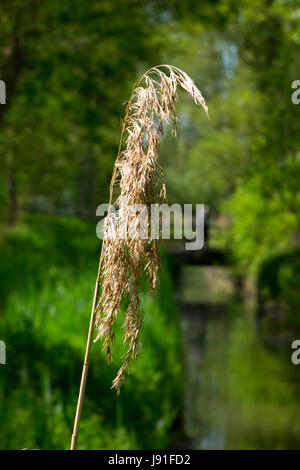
pixel 139 180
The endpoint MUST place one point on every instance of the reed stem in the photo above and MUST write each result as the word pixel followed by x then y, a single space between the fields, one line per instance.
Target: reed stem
pixel 93 314
pixel 85 363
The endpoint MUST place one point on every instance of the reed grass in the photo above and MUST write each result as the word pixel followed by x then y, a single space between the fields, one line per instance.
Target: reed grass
pixel 139 180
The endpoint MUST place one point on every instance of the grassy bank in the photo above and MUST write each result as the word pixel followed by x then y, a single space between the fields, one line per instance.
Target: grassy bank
pixel 47 275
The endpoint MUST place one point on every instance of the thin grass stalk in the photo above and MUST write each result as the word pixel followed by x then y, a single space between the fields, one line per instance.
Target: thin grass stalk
pixel 92 322
pixel 146 111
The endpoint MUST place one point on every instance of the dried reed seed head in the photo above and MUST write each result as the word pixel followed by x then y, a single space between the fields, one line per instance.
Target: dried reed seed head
pixel 140 181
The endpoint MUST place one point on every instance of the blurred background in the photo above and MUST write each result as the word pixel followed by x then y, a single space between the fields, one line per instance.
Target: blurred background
pixel 214 370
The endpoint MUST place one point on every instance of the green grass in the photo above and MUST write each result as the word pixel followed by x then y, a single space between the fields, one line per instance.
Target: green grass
pixel 47 277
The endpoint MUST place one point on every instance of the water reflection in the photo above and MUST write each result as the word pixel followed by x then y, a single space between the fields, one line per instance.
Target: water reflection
pixel 241 392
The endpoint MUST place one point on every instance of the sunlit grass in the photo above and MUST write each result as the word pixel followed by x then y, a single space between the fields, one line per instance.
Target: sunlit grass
pixel 44 326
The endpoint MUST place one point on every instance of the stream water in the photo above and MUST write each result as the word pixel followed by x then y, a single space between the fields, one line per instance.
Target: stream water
pixel 241 390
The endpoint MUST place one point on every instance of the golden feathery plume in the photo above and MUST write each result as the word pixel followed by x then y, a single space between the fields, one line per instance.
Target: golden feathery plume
pixel 140 181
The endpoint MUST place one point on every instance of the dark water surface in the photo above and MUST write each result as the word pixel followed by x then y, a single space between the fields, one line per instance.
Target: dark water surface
pixel 241 390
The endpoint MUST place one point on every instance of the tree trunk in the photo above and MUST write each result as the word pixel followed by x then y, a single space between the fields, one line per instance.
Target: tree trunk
pixel 12 194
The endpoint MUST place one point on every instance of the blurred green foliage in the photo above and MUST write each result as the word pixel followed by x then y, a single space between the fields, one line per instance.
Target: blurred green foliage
pixel 69 67
pixel 47 276
pixel 244 162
